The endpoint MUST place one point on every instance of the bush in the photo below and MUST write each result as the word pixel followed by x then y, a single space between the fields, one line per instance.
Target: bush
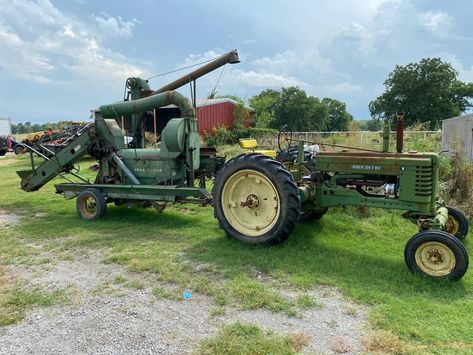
pixel 456 182
pixel 221 135
pixel 218 136
pixel 252 133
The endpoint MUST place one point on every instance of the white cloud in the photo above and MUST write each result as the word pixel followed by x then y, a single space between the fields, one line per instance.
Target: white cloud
pixel 194 59
pixel 263 79
pixel 264 72
pixel 290 60
pixel 115 26
pixel 40 43
pixel 344 88
pixel 436 21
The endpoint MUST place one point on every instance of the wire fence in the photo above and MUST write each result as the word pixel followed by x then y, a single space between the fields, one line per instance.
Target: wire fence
pixel 413 140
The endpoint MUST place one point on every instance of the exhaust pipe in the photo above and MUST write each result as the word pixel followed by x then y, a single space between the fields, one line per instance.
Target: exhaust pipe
pixel 400 131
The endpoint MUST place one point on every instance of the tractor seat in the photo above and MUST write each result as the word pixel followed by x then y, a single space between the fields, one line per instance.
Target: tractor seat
pixel 251 143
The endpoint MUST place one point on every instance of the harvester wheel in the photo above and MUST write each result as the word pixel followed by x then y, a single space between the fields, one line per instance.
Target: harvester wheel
pixel 436 254
pixel 309 216
pixel 457 223
pixel 91 204
pixel 255 199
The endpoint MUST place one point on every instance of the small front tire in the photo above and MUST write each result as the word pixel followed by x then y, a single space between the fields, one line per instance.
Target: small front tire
pixel 436 254
pixel 91 204
pixel 457 223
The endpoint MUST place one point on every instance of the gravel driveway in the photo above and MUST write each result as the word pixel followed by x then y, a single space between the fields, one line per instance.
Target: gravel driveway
pixel 105 317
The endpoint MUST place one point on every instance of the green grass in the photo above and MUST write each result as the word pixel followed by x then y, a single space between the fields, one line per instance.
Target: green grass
pixel 246 339
pixel 15 302
pixel 362 256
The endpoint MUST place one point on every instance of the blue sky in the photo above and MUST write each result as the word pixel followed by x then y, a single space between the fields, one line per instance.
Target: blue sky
pixel 59 59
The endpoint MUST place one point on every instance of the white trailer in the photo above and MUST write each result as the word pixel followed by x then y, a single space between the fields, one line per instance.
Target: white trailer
pixel 5 126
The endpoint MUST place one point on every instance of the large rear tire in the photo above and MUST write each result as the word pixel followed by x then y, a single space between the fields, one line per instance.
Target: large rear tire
pixel 436 254
pixel 255 199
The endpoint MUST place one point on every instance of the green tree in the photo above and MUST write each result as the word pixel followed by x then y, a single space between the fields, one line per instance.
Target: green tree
pixel 301 112
pixel 292 106
pixel 265 104
pixel 427 91
pixel 338 117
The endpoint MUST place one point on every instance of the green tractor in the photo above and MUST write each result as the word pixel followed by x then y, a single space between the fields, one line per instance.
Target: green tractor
pixel 257 197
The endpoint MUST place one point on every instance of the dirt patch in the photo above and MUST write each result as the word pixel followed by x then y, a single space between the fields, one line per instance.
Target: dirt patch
pixel 8 219
pixel 106 316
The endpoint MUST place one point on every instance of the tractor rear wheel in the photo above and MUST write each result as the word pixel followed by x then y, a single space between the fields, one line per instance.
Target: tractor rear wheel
pixel 91 204
pixel 457 223
pixel 436 254
pixel 255 199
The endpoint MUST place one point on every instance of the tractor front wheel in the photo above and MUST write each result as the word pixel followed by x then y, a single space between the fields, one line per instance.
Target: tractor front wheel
pixel 457 224
pixel 255 199
pixel 91 204
pixel 436 254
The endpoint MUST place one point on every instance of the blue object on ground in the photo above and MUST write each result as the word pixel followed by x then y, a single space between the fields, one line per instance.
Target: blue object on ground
pixel 186 295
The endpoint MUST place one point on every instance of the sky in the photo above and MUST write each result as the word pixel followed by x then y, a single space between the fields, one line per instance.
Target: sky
pixel 60 59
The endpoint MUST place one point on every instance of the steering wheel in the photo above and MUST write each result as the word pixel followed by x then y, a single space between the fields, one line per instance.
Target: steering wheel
pixel 284 138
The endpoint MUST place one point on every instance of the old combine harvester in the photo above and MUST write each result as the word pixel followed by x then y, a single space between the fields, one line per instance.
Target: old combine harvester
pixel 256 198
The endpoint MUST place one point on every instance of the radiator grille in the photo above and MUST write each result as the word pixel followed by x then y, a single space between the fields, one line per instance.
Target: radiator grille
pixel 423 181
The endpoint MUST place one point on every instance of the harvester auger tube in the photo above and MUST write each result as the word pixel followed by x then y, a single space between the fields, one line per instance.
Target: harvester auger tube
pixel 124 108
pixel 227 58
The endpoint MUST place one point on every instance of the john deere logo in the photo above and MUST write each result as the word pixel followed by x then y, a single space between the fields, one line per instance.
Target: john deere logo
pixel 365 167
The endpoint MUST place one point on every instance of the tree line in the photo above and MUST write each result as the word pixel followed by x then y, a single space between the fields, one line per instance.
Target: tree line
pixel 28 127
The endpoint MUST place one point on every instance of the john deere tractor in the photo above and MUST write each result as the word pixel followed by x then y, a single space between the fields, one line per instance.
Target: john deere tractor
pixel 257 197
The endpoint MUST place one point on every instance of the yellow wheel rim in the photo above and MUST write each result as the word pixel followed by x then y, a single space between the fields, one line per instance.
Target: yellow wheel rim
pixel 452 226
pixel 250 203
pixel 89 206
pixel 435 259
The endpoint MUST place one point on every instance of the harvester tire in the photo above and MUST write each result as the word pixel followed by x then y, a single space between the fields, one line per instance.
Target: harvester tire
pixel 255 200
pixel 309 216
pixel 457 223
pixel 436 254
pixel 91 204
